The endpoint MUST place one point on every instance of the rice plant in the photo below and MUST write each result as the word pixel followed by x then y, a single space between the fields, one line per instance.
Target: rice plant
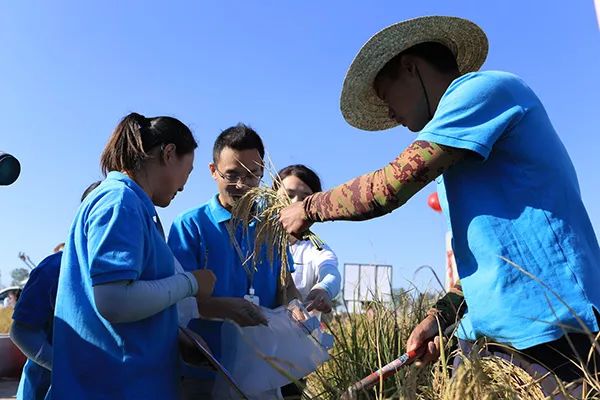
pixel 365 342
pixel 261 205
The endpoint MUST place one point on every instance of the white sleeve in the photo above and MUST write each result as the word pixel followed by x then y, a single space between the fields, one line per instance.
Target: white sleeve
pixel 330 278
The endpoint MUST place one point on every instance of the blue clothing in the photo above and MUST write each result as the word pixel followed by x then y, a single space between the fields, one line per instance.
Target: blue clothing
pixel 113 238
pixel 199 239
pixel 517 198
pixel 35 309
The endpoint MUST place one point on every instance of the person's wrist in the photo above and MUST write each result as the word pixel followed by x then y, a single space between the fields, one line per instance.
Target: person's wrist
pixel 193 282
pixel 224 307
pixel 213 307
pixel 437 316
pixel 306 208
pixel 324 289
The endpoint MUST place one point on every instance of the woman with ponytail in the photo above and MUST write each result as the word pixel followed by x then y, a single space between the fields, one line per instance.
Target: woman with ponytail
pixel 115 325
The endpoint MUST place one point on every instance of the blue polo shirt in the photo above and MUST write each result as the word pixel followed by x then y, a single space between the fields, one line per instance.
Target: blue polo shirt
pixel 517 200
pixel 113 238
pixel 199 239
pixel 35 309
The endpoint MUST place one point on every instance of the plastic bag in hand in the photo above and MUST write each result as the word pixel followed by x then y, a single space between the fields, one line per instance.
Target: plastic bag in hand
pixel 261 359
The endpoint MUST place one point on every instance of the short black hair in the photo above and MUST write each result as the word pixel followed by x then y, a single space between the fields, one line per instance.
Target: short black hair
pixel 436 54
pixel 89 189
pixel 239 137
pixel 301 172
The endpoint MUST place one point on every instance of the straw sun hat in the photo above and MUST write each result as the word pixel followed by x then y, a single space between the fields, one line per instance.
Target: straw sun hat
pixel 359 103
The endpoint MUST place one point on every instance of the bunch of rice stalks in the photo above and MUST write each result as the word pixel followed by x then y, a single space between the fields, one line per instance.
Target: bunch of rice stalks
pixel 262 206
pixel 486 378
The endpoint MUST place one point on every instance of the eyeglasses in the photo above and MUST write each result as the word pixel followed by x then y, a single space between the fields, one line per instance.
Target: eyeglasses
pixel 235 177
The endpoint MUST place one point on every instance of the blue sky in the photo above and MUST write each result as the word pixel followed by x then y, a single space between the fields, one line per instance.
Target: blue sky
pixel 70 70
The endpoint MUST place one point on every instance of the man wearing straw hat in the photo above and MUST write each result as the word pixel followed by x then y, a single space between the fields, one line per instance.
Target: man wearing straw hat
pixel 527 255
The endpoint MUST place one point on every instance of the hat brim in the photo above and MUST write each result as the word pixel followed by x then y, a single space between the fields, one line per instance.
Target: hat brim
pixel 359 103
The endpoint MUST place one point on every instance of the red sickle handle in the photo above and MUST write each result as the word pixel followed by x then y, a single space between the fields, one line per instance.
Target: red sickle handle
pixel 391 368
pixel 385 372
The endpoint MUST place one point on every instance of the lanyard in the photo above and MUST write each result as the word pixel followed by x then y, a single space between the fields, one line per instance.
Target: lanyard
pixel 244 260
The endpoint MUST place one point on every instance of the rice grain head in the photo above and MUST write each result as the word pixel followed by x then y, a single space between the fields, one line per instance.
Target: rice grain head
pixel 490 378
pixel 261 205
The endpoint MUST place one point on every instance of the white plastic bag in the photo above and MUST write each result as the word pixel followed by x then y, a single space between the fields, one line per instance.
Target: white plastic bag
pixel 261 359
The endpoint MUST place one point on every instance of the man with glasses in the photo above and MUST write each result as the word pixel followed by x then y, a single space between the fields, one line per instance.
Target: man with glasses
pixel 205 237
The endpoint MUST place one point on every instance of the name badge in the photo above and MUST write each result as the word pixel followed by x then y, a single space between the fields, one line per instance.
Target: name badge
pixel 252 299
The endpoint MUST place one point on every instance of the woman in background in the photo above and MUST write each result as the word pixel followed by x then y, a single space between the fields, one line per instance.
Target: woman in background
pixel 317 277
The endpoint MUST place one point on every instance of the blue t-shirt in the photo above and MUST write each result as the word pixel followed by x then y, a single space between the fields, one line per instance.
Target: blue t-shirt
pixel 113 238
pixel 199 238
pixel 35 309
pixel 517 199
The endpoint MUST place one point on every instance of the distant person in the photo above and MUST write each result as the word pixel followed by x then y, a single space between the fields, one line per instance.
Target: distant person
pixel 115 324
pixel 61 246
pixel 31 329
pixel 11 298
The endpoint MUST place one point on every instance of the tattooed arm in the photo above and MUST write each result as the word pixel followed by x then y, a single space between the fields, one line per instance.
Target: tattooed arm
pixel 380 192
